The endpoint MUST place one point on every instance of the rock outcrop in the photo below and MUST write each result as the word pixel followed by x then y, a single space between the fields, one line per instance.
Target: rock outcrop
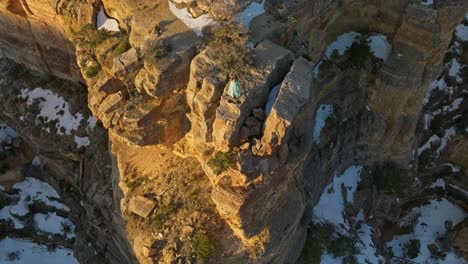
pixel 267 161
pixel 44 46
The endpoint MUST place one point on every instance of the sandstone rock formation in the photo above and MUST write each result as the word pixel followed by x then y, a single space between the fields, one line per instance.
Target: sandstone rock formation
pixel 163 95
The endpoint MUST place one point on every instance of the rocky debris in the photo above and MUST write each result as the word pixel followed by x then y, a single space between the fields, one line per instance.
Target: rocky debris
pixel 293 94
pixel 271 64
pixel 141 206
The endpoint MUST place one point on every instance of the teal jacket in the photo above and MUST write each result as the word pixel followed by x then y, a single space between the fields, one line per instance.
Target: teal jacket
pixel 234 89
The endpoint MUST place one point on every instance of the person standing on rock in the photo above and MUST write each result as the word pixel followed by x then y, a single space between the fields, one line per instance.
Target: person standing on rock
pixel 234 87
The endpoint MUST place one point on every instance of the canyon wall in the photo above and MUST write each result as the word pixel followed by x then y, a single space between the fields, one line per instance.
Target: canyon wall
pixel 162 95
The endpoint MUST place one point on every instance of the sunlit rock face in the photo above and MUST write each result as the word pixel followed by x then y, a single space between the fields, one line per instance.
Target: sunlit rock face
pixel 333 94
pixel 32 33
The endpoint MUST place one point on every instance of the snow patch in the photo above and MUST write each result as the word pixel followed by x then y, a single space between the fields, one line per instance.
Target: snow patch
pixel 324 111
pixel 272 98
pixel 196 24
pixel 438 84
pixel 368 253
pixel 430 225
pixel 461 31
pixel 449 133
pixel 459 189
pixel 31 190
pixel 91 123
pixel 105 22
pixel 7 134
pixel 438 183
pixel 452 168
pixel 250 12
pixel 53 224
pixel 454 70
pixel 331 204
pixel 380 46
pixel 53 107
pixel 14 250
pixel 427 2
pixel 82 141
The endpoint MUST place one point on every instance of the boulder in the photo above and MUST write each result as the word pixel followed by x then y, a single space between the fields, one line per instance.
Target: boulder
pixel 203 95
pixel 141 206
pixel 107 107
pixel 161 76
pixel 293 94
pixel 145 120
pixel 271 64
pixel 126 63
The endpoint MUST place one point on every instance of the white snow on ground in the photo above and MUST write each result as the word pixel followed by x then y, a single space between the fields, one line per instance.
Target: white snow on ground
pixel 82 141
pixel 53 107
pixel 438 183
pixel 462 32
pixel 380 46
pixel 323 112
pixel 331 204
pixel 342 43
pixel 272 98
pixel 18 251
pixel 6 215
pixel 250 12
pixel 427 2
pixel 7 134
pixel 450 132
pixel 453 168
pixel 439 84
pixel 196 24
pixel 91 123
pixel 454 70
pixel 31 190
pixel 330 210
pixel 430 225
pixel 330 259
pixel 105 22
pixel 453 106
pixel 427 120
pixel 368 253
pixel 36 161
pixel 53 224
pixel 459 189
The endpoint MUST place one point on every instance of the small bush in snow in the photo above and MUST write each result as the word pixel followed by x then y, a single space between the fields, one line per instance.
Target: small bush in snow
pixel 89 37
pixel 413 248
pixel 359 52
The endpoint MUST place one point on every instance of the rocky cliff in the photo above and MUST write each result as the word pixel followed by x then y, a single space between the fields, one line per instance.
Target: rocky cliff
pixel 333 88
